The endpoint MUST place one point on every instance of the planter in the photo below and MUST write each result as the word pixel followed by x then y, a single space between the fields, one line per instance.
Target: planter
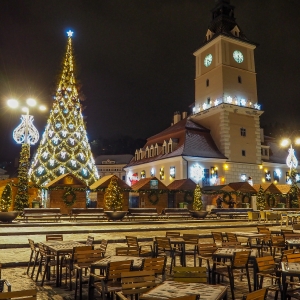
pixel 245 205
pixel 8 216
pixel 115 215
pixel 198 214
pixel 281 205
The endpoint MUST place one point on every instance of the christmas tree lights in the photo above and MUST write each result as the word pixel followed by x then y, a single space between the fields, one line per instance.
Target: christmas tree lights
pixel 113 196
pixel 261 199
pixel 197 204
pixel 64 147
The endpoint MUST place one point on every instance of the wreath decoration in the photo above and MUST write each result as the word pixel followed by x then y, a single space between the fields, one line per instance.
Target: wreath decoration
pixel 225 198
pixel 271 201
pixel 187 197
pixel 153 198
pixel 244 197
pixel 69 201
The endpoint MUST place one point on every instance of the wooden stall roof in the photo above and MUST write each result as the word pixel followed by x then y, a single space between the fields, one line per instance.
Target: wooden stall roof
pixel 66 179
pixel 144 184
pixel 243 187
pixel 267 187
pixel 284 188
pixel 217 188
pixel 105 180
pixel 182 184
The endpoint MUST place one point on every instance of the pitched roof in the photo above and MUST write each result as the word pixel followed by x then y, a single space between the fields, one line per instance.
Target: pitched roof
pixel 193 140
pixel 284 188
pixel 144 184
pixel 105 180
pixel 243 187
pixel 182 184
pixel 57 180
pixel 267 187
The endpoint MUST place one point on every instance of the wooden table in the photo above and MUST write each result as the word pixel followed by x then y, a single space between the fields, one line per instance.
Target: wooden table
pixel 289 269
pixel 59 248
pixel 171 289
pixel 295 242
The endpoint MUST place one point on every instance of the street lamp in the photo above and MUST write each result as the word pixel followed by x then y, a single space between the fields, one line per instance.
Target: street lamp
pixel 291 159
pixel 25 134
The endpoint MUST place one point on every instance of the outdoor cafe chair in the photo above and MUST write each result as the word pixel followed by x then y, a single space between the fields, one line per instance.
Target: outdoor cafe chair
pixel 277 244
pixel 293 292
pixel 190 274
pixel 102 247
pixel 205 252
pixel 191 244
pixel 257 295
pixel 33 257
pixel 132 241
pixel 89 241
pixel 69 261
pixel 267 267
pixel 172 234
pixel 164 247
pixel 217 237
pixel 235 267
pixel 127 251
pixel 54 237
pixel 156 264
pixel 232 244
pixel 293 257
pixel 20 295
pixel 136 283
pixel 110 283
pixel 83 260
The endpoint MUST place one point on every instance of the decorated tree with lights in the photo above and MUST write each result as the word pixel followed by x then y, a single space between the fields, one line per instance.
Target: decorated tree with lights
pixel 261 199
pixel 64 147
pixel 197 204
pixel 21 200
pixel 113 196
pixel 294 193
pixel 6 199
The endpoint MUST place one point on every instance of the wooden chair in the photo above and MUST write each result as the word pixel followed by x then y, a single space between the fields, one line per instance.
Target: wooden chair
pixel 33 257
pixel 69 261
pixel 231 237
pixel 156 264
pixel 217 237
pixel 132 241
pixel 261 227
pixel 190 274
pixel 266 267
pixel 235 244
pixel 54 237
pixel 284 219
pixel 102 247
pixel 293 257
pixel 257 295
pixel 191 245
pixel 263 243
pixel 172 234
pixel 234 268
pixel 294 292
pixel 283 257
pixel 164 247
pixel 136 283
pixel 277 244
pixel 47 261
pixel 205 252
pixel 89 241
pixel 110 283
pixel 84 259
pixel 20 295
pixel 127 251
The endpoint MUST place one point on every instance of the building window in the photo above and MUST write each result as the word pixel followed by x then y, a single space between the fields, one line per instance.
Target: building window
pixel 136 156
pixel 164 149
pixel 205 179
pixel 239 79
pixel 207 82
pixel 170 148
pixel 143 174
pixel 243 152
pixel 172 172
pixel 151 152
pixel 243 131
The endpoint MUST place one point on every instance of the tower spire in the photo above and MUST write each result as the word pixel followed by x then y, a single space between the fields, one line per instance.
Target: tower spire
pixel 64 146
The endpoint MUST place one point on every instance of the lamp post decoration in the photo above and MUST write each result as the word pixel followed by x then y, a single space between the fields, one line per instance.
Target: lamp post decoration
pixel 26 131
pixel 291 159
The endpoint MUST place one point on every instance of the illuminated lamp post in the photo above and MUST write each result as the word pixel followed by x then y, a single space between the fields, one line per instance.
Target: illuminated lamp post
pixel 25 134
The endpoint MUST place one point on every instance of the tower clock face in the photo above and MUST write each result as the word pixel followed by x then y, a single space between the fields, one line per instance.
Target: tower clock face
pixel 207 60
pixel 238 56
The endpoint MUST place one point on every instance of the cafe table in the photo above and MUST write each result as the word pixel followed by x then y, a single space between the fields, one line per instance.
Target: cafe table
pixel 293 242
pixel 172 289
pixel 59 248
pixel 289 269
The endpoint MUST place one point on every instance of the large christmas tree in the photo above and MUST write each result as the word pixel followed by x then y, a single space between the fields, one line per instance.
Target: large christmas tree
pixel 64 147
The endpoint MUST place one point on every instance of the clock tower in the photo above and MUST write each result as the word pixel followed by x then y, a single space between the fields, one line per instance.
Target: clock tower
pixel 225 87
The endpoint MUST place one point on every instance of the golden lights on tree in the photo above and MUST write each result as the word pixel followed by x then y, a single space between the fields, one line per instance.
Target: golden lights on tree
pixel 113 196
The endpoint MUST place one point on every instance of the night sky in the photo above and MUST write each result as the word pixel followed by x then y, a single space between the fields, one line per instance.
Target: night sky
pixel 135 59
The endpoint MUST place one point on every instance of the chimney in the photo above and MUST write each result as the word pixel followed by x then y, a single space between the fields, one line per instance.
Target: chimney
pixel 177 117
pixel 184 115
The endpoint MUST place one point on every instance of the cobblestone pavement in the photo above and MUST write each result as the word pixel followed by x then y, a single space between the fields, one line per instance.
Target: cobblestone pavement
pixel 19 235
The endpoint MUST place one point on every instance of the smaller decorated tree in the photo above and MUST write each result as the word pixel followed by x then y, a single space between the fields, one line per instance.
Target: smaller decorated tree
pixel 21 200
pixel 5 201
pixel 261 199
pixel 113 196
pixel 197 204
pixel 294 193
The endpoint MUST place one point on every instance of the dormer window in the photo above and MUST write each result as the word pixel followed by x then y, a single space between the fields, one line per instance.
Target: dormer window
pixel 169 148
pixel 236 31
pixel 136 155
pixel 164 148
pixel 151 151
